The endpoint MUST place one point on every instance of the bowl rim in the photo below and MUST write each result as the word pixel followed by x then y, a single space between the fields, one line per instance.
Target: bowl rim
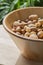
pixel 20 36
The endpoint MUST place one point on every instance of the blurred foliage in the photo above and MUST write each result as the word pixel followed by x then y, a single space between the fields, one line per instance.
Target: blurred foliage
pixel 7 6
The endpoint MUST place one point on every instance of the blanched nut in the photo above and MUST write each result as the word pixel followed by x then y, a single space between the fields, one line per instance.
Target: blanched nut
pixel 13 29
pixel 27 29
pixel 33 29
pixel 33 36
pixel 22 31
pixel 33 32
pixel 29 22
pixel 16 23
pixel 22 24
pixel 39 30
pixel 18 29
pixel 41 21
pixel 33 17
pixel 38 24
pixel 42 26
pixel 40 34
pixel 18 33
pixel 31 25
pixel 34 21
pixel 27 34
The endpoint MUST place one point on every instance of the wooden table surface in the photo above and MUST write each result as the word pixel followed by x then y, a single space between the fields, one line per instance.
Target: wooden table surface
pixel 9 53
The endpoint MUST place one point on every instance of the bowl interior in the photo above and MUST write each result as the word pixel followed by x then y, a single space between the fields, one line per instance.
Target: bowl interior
pixel 21 14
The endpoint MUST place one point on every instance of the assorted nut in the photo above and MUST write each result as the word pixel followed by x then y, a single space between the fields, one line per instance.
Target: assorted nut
pixel 32 27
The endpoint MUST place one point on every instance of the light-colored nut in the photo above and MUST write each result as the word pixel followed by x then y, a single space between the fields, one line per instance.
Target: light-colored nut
pixel 31 25
pixel 39 18
pixel 13 29
pixel 26 20
pixel 33 17
pixel 41 21
pixel 29 22
pixel 34 21
pixel 16 23
pixel 39 30
pixel 38 24
pixel 33 36
pixel 33 32
pixel 27 34
pixel 22 31
pixel 33 29
pixel 27 29
pixel 18 33
pixel 42 26
pixel 40 34
pixel 18 29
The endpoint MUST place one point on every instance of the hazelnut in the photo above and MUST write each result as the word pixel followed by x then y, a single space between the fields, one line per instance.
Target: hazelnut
pixel 31 25
pixel 13 29
pixel 39 30
pixel 18 29
pixel 38 24
pixel 33 36
pixel 27 29
pixel 41 21
pixel 16 23
pixel 29 22
pixel 22 31
pixel 27 34
pixel 33 17
pixel 40 34
pixel 18 33
pixel 33 32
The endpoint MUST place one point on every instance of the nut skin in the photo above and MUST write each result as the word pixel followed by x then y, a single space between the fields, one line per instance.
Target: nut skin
pixel 39 29
pixel 33 32
pixel 33 17
pixel 38 24
pixel 41 21
pixel 31 27
pixel 33 36
pixel 40 34
pixel 22 31
pixel 27 29
pixel 27 34
pixel 18 29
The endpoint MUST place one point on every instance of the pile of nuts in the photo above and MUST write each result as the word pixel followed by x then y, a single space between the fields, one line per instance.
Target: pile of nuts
pixel 32 27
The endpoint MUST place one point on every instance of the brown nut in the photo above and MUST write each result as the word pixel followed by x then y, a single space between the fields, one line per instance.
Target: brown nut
pixel 42 26
pixel 16 23
pixel 33 29
pixel 22 31
pixel 33 32
pixel 34 21
pixel 13 29
pixel 39 30
pixel 38 24
pixel 33 17
pixel 33 36
pixel 41 21
pixel 18 29
pixel 40 34
pixel 27 34
pixel 18 33
pixel 29 22
pixel 27 29
pixel 31 25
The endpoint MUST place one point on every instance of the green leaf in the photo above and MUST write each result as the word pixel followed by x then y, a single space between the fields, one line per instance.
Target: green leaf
pixel 12 7
pixel 24 5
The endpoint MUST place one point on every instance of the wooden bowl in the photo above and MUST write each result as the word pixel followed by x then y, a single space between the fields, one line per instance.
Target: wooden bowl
pixel 30 48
